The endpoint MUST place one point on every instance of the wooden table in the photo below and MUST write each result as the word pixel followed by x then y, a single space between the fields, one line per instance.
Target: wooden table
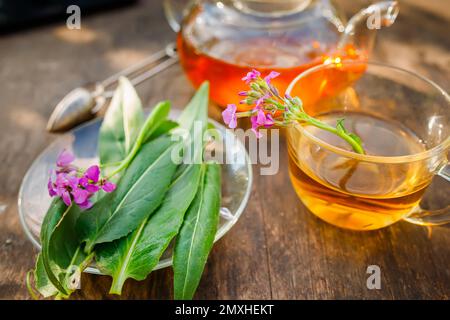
pixel 278 249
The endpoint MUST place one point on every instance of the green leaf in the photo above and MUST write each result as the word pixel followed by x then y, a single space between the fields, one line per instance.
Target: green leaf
pixel 41 280
pixel 140 191
pixel 340 126
pixel 121 125
pixel 196 236
pixel 62 260
pixel 165 127
pixel 154 126
pixel 356 138
pixel 156 118
pixel 197 108
pixel 135 255
pixel 194 120
pixel 54 215
pixel 66 252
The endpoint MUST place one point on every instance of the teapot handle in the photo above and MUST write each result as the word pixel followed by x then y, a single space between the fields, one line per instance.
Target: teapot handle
pixel 175 10
pixel 361 29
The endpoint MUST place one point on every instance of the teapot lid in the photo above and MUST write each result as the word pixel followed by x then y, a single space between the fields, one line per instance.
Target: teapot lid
pixel 272 8
pixel 264 14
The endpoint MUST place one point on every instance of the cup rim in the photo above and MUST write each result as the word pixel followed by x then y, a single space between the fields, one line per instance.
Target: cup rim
pixel 444 145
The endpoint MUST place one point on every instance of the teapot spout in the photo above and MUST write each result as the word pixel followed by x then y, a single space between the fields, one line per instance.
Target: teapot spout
pixel 361 30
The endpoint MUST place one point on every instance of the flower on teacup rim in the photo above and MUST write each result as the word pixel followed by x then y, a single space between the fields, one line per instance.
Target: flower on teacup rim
pixel 270 108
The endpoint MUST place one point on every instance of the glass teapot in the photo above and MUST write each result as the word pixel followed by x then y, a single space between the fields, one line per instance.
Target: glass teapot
pixel 221 41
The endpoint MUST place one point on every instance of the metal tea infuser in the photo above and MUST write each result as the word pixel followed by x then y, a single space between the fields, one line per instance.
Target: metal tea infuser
pixel 83 103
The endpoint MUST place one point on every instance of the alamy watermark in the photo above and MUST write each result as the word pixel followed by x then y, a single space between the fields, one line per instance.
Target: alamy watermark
pixel 374 280
pixel 73 22
pixel 228 147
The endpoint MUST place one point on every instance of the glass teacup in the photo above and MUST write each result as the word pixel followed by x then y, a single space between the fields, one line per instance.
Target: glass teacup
pixel 403 121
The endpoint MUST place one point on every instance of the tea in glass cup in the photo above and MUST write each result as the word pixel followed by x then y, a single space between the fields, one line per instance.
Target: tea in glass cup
pixel 403 122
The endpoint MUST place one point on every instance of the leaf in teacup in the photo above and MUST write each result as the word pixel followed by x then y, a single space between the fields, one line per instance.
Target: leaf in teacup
pixel 135 255
pixel 196 236
pixel 140 191
pixel 120 127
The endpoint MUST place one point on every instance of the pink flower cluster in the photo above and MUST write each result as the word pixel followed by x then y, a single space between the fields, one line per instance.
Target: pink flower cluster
pixel 259 97
pixel 72 186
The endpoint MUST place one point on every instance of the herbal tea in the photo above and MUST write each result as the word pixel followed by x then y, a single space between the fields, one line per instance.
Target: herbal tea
pixel 227 62
pixel 356 194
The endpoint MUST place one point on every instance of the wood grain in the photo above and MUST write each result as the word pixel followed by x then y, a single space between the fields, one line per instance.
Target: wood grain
pixel 278 249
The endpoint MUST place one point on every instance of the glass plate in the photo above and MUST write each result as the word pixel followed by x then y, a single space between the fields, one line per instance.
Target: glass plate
pixel 82 141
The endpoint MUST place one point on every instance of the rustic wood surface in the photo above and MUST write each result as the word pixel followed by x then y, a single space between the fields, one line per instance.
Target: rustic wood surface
pixel 278 249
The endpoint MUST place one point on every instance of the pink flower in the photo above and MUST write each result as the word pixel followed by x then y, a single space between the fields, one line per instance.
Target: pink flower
pixel 261 119
pixel 255 126
pixel 90 179
pixel 64 160
pixel 260 101
pixel 92 173
pixel 271 75
pixel 70 187
pixel 108 186
pixel 62 186
pixel 269 121
pixel 229 116
pixel 52 191
pixel 252 75
pixel 80 195
pixel 86 205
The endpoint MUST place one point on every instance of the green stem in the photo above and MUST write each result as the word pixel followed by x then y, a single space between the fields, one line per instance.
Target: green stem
pixel 110 164
pixel 125 162
pixel 244 114
pixel 30 286
pixel 321 125
pixel 158 115
pixel 279 106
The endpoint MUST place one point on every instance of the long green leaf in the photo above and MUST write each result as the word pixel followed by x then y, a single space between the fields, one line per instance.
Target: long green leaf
pixel 53 216
pixel 61 261
pixel 154 124
pixel 135 255
pixel 41 280
pixel 156 118
pixel 140 191
pixel 197 108
pixel 121 125
pixel 66 252
pixel 194 119
pixel 163 128
pixel 197 233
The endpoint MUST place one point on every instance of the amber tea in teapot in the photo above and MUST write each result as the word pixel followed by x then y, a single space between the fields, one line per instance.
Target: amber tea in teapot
pixel 220 41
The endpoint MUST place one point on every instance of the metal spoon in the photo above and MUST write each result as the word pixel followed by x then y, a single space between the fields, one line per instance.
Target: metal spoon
pixel 83 103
